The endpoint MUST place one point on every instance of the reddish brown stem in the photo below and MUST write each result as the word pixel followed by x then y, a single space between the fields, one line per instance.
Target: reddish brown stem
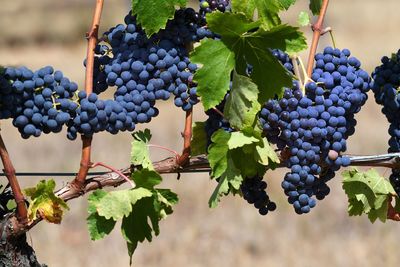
pixel 85 162
pixel 187 138
pixel 317 32
pixel 219 112
pixel 165 148
pixel 116 171
pixel 12 179
pixel 92 37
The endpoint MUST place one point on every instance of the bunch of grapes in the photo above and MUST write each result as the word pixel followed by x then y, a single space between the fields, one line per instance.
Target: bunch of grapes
pixel 143 70
pixel 253 190
pixel 385 87
pixel 154 67
pixel 216 121
pixel 284 59
pixel 208 6
pixel 313 125
pixel 40 101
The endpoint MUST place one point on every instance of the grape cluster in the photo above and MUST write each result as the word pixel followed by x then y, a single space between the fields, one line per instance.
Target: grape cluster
pixel 95 115
pixel 385 88
pixel 253 190
pixel 40 101
pixel 143 70
pixel 313 126
pixel 208 6
pixel 284 59
pixel 147 69
pixel 216 121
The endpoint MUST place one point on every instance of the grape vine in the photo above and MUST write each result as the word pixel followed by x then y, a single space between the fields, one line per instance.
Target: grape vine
pixel 264 110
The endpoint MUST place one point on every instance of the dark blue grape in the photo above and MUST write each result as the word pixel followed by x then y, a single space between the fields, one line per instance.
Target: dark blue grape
pixel 309 124
pixel 254 192
pixel 385 88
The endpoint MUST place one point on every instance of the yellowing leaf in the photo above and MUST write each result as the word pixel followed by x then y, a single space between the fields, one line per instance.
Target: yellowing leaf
pixel 45 203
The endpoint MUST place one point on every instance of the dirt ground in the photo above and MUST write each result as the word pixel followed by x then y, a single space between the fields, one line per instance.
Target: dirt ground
pixel 232 234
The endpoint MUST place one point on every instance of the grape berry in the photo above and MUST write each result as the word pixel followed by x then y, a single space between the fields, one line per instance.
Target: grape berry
pixel 253 190
pixel 385 88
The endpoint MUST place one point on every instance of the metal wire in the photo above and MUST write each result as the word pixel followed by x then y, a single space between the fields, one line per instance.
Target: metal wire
pixel 48 174
pixel 70 174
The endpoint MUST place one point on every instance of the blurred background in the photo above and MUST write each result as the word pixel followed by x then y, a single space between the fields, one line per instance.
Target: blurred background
pixel 51 32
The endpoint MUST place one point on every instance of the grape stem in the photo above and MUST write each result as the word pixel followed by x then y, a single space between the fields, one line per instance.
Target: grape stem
pixel 187 133
pixel 297 70
pixel 219 112
pixel 115 171
pixel 187 138
pixel 165 148
pixel 317 32
pixel 92 37
pixel 332 37
pixel 9 170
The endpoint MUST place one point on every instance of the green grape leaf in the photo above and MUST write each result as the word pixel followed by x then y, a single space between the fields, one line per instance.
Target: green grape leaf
pixel 315 6
pixel 303 19
pixel 222 143
pixel 146 178
pixel 143 222
pixel 242 105
pixel 268 12
pixel 266 155
pixel 131 249
pixel 140 209
pixel 98 226
pixel 199 139
pixel 252 166
pixel 231 25
pixel 265 66
pixel 118 204
pixel 213 78
pixel 238 32
pixel 45 203
pixel 153 15
pixel 238 139
pixel 269 75
pixel 226 155
pixel 135 227
pixel 247 7
pixel 218 152
pixel 140 154
pixel 287 3
pixel 231 178
pixel 368 193
pixel 380 210
pixel 167 200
